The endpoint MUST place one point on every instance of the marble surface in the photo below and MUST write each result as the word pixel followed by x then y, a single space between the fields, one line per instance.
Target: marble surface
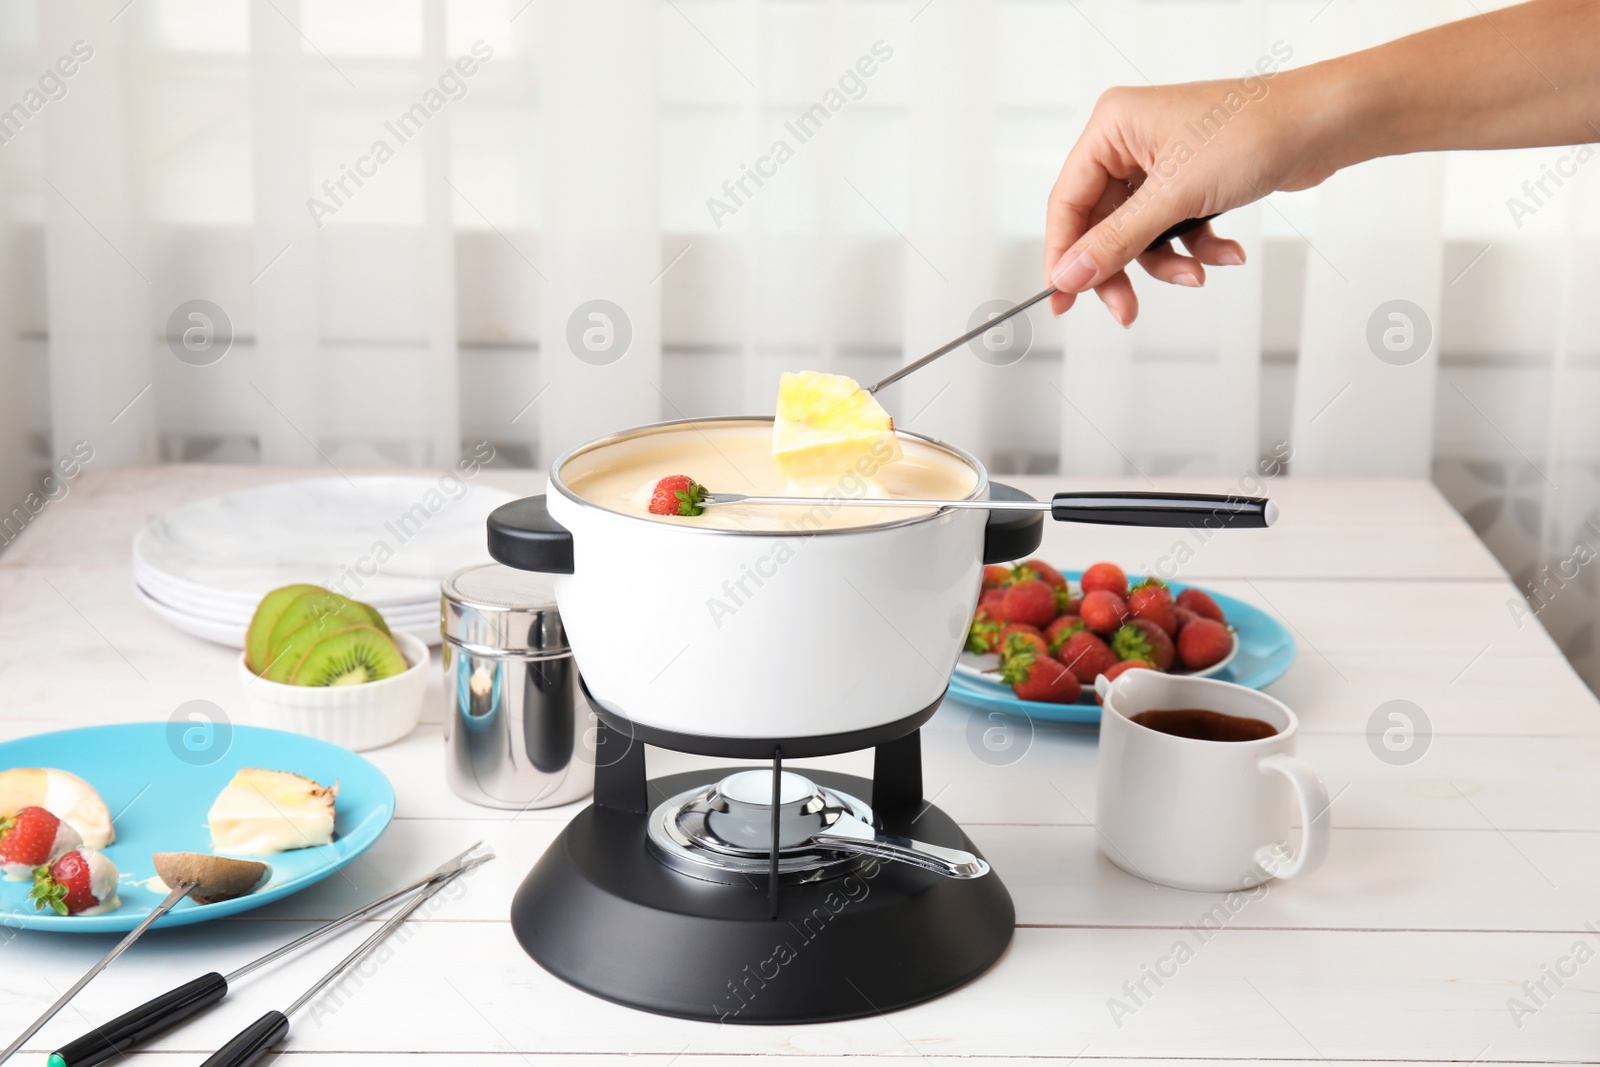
pixel 1457 882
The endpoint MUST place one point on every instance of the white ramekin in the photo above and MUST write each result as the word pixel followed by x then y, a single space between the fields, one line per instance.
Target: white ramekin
pixel 354 716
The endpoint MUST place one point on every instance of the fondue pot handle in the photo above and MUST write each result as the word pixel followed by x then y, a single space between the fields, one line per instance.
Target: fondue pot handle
pixel 523 535
pixel 1011 535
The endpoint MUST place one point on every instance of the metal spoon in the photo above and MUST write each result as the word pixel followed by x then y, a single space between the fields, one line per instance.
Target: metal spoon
pixel 1166 237
pixel 1174 510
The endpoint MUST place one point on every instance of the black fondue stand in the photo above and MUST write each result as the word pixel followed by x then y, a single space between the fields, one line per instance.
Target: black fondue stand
pixel 599 911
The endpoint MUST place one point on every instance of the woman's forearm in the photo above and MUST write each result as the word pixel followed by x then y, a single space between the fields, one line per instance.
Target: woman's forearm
pixel 1519 77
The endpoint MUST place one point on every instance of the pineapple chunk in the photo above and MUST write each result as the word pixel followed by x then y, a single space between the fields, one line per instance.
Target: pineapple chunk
pixel 64 795
pixel 828 426
pixel 265 812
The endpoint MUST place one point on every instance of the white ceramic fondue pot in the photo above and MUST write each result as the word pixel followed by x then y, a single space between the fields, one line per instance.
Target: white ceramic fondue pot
pixel 691 632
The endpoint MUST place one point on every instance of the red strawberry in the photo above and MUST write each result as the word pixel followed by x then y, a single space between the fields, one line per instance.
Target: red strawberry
pixel 990 600
pixel 1029 601
pixel 983 633
pixel 678 494
pixel 1203 643
pixel 1151 600
pixel 1086 656
pixel 1144 640
pixel 1069 604
pixel 1103 611
pixel 28 838
pixel 1123 668
pixel 995 575
pixel 1020 635
pixel 1057 632
pixel 1038 568
pixel 1200 602
pixel 1033 675
pixel 1183 616
pixel 1106 576
pixel 64 886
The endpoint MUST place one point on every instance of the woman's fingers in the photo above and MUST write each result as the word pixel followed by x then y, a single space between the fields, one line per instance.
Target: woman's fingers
pixel 1209 248
pixel 1080 187
pixel 1116 292
pixel 1173 267
pixel 1061 303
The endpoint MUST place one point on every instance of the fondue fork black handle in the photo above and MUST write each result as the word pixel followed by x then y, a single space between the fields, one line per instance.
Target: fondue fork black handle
pixel 1174 510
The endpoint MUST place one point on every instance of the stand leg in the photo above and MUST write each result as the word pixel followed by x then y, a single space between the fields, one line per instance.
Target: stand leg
pixel 772 852
pixel 897 773
pixel 619 772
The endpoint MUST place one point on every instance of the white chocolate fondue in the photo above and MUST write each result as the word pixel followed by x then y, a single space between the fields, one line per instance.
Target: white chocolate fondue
pixel 736 457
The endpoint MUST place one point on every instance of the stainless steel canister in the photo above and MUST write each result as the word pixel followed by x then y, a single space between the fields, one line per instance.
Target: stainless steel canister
pixel 518 732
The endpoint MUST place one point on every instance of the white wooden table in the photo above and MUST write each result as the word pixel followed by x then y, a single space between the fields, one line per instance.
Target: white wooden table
pixel 1452 880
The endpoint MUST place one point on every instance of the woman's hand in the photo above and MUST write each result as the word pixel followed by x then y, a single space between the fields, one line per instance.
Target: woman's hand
pixel 1152 157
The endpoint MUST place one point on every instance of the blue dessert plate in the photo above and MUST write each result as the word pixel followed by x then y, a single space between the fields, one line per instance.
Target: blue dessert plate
pixel 1264 651
pixel 153 779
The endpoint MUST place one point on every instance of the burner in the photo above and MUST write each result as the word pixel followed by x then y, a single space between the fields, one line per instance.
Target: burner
pixel 723 833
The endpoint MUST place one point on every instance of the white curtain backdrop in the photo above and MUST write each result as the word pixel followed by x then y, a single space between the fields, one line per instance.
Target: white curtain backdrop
pixel 424 223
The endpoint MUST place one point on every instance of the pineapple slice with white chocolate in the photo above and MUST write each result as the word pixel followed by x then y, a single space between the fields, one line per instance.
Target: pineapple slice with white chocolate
pixel 263 812
pixel 828 427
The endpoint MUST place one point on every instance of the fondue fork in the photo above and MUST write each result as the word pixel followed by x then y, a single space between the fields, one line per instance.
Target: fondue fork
pixel 257 1039
pixel 1176 510
pixel 978 331
pixel 162 1013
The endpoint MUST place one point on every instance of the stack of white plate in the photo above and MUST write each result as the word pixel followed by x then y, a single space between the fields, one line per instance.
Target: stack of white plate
pixel 385 541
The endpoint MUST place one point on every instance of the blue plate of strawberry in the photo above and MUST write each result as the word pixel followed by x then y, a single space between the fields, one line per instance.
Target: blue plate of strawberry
pixel 1040 636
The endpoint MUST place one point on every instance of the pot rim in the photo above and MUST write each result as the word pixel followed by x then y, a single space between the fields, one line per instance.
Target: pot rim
pixel 978 491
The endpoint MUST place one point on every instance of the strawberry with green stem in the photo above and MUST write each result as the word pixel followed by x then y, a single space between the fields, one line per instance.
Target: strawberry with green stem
pixel 67 886
pixel 1016 636
pixel 1033 674
pixel 32 837
pixel 677 494
pixel 1038 568
pixel 983 634
pixel 1086 656
pixel 1056 633
pixel 1151 599
pixel 1142 639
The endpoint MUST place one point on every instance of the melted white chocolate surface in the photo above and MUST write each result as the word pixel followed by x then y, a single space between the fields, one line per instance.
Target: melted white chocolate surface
pixel 736 457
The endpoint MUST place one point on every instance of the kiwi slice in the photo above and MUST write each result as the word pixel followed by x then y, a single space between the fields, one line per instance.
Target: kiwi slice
pixel 322 610
pixel 267 614
pixel 287 654
pixel 350 657
pixel 374 614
